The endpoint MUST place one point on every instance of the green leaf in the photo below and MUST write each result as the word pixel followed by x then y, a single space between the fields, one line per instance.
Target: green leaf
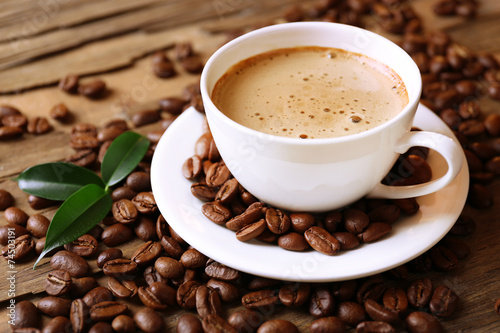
pixel 76 216
pixel 122 156
pixel 56 181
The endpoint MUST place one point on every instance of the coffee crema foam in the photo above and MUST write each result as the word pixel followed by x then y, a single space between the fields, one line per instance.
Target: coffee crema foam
pixel 310 92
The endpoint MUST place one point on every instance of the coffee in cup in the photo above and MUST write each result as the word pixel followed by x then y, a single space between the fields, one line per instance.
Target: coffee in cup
pixel 310 92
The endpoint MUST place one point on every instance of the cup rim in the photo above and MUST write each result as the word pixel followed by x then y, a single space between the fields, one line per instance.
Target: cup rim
pixel 412 102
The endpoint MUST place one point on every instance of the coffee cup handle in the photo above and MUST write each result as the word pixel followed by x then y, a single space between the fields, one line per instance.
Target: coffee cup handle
pixel 444 145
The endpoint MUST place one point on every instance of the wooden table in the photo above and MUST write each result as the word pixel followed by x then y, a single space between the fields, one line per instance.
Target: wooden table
pixel 40 42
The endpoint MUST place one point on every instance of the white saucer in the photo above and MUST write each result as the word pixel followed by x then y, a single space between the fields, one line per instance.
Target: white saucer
pixel 410 237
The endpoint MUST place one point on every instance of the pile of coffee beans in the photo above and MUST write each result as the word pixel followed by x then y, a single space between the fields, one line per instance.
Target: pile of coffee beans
pixel 13 123
pixel 465 8
pixel 188 59
pixel 228 203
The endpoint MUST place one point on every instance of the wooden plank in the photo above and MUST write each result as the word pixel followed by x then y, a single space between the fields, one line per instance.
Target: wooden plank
pixel 24 24
pixel 64 39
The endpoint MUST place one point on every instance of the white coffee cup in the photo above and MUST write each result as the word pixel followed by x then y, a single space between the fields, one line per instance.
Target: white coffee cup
pixel 322 174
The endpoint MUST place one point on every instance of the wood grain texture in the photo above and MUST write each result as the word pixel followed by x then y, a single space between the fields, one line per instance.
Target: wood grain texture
pixel 120 56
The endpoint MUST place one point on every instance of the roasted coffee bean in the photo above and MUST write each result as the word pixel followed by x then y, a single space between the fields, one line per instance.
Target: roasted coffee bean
pixel 124 211
pixel 172 105
pixel 344 291
pixel 84 128
pixel 351 313
pixel 22 247
pixel 116 234
pixel 151 275
pixel 176 236
pixel 492 124
pixel 419 292
pixel 252 214
pixel 321 240
pixel 9 133
pixel 150 300
pixel 202 145
pixel 421 264
pixel 147 253
pixel 54 306
pixel 75 265
pixel 451 118
pixel 145 117
pixel 423 322
pixel 245 321
pixel 120 268
pixel 217 174
pixel 107 255
pixel 14 120
pixel 58 282
pixel 219 271
pixel 101 327
pixel 40 203
pixel 69 84
pixel 374 232
pixel 161 227
pixel 493 165
pixel 139 181
pixel 186 294
pixel 172 247
pixel 7 110
pixel 294 294
pixel 38 125
pixel 373 288
pixel 145 228
pixel 109 133
pixel 145 203
pixel 15 215
pixel 164 69
pixel 355 221
pixel 120 288
pixel 378 312
pixel 408 206
pixel 347 240
pixel 443 302
pixel 57 324
pixel 374 327
pixel 123 193
pixel 97 295
pixel 300 222
pixel 277 221
pixel 205 193
pixel 81 286
pixel 85 246
pixel 264 299
pixel 149 321
pixel 192 258
pixel 247 198
pixel 107 311
pixel 259 282
pixel 192 167
pixel 192 64
pixel 37 225
pixel 169 268
pixel 443 258
pixel 26 315
pixel 386 213
pixel 207 301
pixel 252 230
pixel 328 324
pixel 395 299
pixel 214 323
pixel 457 246
pixel 278 325
pixel 10 231
pixel 79 316
pixel 84 158
pixel 464 226
pixel 321 302
pixel 228 191
pixel 216 212
pixel 94 89
pixel 228 292
pixel 163 292
pixel 189 323
pixel 293 241
pixel 123 324
pixel 330 222
pixel 497 306
pixel 83 141
pixel 471 127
